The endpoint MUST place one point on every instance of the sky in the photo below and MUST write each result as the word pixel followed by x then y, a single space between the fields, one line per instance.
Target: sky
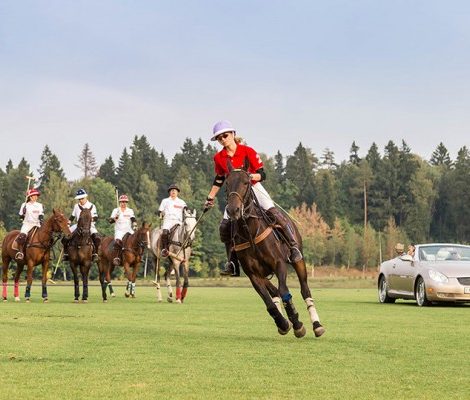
pixel 320 73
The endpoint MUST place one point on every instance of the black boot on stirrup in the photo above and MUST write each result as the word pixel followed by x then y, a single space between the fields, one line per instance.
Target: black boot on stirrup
pixel 288 231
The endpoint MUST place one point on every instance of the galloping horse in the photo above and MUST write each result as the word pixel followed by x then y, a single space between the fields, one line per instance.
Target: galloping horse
pixel 262 253
pixel 183 235
pixel 37 252
pixel 80 251
pixel 133 249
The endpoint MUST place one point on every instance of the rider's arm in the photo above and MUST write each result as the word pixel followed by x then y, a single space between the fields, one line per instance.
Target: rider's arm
pixel 259 175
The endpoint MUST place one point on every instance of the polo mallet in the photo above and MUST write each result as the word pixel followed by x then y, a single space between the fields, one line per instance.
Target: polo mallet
pixel 29 178
pixel 51 279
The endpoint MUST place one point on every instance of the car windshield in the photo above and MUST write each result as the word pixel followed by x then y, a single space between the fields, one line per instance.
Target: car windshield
pixel 444 253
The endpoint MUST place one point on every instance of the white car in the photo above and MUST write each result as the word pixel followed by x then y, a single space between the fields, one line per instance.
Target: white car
pixel 436 272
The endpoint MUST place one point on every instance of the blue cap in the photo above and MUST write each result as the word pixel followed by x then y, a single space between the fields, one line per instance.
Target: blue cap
pixel 81 194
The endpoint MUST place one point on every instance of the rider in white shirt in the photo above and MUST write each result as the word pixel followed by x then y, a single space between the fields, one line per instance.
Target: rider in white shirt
pixel 32 214
pixel 171 210
pixel 124 219
pixel 82 197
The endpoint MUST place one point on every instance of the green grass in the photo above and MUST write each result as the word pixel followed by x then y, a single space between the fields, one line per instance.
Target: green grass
pixel 222 344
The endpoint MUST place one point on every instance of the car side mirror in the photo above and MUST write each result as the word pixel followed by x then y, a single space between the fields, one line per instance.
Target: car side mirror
pixel 406 257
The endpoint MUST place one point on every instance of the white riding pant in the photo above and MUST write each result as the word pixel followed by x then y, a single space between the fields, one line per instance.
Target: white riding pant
pixel 92 228
pixel 263 197
pixel 26 227
pixel 120 234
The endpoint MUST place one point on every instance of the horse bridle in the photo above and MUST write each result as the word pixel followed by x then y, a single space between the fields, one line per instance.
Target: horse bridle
pixel 246 197
pixel 53 238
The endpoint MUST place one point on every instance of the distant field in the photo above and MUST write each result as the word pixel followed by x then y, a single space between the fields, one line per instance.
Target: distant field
pixel 221 344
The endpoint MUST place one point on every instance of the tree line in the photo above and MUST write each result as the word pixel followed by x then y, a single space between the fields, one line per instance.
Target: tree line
pixel 350 213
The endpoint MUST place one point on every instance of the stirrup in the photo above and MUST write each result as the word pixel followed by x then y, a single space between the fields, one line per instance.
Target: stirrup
pixel 295 255
pixel 95 257
pixel 165 253
pixel 229 269
pixel 116 261
pixel 19 256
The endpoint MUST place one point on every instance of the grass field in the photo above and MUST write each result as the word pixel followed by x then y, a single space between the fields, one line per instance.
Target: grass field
pixel 221 344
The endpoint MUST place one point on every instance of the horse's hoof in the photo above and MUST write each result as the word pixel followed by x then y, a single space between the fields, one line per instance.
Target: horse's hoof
pixel 126 294
pixel 76 301
pixel 169 299
pixel 299 333
pixel 318 331
pixel 5 300
pixel 113 295
pixel 45 300
pixel 27 299
pixel 17 299
pixel 85 301
pixel 105 301
pixel 133 296
pixel 282 332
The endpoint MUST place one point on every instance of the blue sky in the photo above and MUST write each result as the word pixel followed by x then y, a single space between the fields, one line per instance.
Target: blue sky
pixel 321 73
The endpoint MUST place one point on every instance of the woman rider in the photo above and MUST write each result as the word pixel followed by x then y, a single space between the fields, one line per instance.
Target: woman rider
pixel 236 152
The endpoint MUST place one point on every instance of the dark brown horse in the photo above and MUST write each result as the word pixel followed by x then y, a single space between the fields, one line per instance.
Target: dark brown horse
pixel 80 251
pixel 37 252
pixel 262 253
pixel 132 252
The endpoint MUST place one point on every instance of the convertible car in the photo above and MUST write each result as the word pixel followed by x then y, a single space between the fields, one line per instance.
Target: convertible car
pixel 436 272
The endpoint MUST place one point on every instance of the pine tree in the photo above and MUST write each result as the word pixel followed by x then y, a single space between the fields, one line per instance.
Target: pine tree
pixel 441 156
pixel 353 154
pixel 87 162
pixel 49 164
pixel 107 171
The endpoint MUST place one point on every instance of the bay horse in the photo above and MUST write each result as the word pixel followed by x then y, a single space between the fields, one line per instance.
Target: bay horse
pixel 132 252
pixel 80 251
pixel 37 252
pixel 183 235
pixel 263 253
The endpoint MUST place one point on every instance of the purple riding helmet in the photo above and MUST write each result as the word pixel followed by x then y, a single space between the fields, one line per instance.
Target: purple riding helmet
pixel 221 127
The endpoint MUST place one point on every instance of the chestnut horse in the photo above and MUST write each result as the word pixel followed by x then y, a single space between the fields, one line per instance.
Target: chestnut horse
pixel 37 252
pixel 262 252
pixel 80 251
pixel 183 235
pixel 132 252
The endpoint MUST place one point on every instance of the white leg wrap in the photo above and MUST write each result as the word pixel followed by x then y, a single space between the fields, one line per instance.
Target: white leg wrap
pixel 312 310
pixel 277 301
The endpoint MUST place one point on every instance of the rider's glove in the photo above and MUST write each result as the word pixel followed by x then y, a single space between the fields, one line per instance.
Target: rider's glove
pixel 209 202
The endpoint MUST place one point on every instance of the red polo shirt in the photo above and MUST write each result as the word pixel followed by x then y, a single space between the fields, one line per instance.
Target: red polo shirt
pixel 237 160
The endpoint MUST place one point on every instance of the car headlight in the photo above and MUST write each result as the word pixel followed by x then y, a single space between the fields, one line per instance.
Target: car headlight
pixel 437 276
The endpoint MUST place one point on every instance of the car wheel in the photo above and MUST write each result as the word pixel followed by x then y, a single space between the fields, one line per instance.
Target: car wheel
pixel 383 291
pixel 420 293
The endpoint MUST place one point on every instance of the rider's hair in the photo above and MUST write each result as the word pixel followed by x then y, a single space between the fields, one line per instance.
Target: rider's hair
pixel 239 140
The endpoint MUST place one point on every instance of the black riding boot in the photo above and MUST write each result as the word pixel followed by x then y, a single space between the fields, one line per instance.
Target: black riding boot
pixel 117 252
pixel 165 242
pixel 232 266
pixel 288 231
pixel 20 240
pixel 65 244
pixel 96 239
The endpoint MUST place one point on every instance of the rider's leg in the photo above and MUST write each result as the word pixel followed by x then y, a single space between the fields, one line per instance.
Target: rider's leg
pixel 96 239
pixel 232 266
pixel 165 242
pixel 20 240
pixel 117 252
pixel 288 231
pixel 65 244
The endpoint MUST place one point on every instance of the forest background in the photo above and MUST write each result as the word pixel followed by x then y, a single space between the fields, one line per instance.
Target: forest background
pixel 351 214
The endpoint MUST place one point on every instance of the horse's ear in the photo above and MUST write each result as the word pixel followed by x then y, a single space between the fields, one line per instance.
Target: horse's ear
pixel 246 164
pixel 194 213
pixel 54 211
pixel 229 166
